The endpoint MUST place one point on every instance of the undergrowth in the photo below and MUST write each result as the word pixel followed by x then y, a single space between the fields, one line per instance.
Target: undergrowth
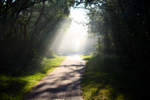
pixel 105 78
pixel 14 87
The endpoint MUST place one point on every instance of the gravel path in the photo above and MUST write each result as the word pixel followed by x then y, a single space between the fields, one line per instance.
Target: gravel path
pixel 62 84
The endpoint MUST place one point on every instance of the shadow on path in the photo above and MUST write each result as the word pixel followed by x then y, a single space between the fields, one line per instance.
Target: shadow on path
pixel 62 84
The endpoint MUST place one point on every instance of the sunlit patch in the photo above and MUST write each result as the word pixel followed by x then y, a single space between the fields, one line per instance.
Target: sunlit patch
pixel 74 57
pixel 73 39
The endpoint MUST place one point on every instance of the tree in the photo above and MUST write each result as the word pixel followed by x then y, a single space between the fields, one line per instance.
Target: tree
pixel 26 26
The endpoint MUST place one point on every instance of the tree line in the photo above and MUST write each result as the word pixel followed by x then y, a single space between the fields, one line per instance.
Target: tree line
pixel 26 26
pixel 123 30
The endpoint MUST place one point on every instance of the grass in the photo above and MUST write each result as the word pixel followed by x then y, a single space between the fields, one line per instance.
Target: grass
pixel 14 87
pixel 86 57
pixel 104 80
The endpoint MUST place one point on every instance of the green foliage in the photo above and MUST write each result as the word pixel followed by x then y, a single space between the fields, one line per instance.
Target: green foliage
pixel 14 87
pixel 100 82
pixel 87 57
pixel 47 63
pixel 123 51
pixel 26 29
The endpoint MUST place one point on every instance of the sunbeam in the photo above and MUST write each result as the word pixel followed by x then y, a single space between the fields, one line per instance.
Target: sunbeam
pixel 71 39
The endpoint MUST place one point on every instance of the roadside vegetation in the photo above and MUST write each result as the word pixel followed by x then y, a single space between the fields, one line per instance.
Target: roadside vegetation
pixel 119 69
pixel 14 87
pixel 87 57
pixel 105 80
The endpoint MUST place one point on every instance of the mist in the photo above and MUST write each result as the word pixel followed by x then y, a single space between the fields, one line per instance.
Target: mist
pixel 72 36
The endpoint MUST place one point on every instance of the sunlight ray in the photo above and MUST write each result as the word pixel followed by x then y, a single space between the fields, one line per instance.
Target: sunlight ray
pixel 73 39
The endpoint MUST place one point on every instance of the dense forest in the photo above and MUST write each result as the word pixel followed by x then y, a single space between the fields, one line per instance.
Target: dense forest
pixel 122 57
pixel 26 26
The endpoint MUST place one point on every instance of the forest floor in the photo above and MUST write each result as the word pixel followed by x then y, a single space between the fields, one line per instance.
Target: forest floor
pixel 62 84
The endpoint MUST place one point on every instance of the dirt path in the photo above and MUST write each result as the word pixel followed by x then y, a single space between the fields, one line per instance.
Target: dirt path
pixel 62 84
